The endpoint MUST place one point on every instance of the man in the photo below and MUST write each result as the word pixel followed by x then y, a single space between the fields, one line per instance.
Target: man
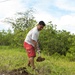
pixel 31 43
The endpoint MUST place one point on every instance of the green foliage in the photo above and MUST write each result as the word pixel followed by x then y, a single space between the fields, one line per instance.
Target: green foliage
pixel 64 42
pixel 15 58
pixel 46 37
pixel 6 37
pixel 21 25
pixel 71 52
pixel 18 38
pixel 11 59
pixel 52 41
pixel 22 21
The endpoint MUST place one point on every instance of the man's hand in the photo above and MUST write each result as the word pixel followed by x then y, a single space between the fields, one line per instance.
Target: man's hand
pixel 38 51
pixel 38 48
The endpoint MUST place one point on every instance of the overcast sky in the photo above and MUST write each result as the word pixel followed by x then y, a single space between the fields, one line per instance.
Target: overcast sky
pixel 60 12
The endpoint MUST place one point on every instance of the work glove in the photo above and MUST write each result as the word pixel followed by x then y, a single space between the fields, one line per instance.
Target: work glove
pixel 39 52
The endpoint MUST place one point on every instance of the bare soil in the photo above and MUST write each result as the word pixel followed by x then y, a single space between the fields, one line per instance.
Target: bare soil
pixel 20 71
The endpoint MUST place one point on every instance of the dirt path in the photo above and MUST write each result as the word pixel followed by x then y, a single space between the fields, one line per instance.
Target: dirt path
pixel 20 71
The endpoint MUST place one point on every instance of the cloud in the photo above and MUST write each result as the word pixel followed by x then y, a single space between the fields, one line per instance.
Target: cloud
pixel 10 7
pixel 43 16
pixel 60 12
pixel 66 22
pixel 4 26
pixel 65 4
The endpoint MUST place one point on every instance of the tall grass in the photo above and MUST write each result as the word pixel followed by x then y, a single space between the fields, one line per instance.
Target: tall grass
pixel 57 65
pixel 13 58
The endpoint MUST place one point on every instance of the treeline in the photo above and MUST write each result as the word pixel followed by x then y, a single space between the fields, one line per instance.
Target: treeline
pixel 51 40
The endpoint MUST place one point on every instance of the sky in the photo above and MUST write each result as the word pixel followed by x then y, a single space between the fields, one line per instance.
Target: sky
pixel 60 12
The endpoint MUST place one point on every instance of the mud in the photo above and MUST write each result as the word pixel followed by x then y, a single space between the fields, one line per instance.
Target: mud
pixel 20 71
pixel 40 59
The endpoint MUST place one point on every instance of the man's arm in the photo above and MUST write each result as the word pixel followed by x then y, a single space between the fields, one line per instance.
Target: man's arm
pixel 35 43
pixel 38 48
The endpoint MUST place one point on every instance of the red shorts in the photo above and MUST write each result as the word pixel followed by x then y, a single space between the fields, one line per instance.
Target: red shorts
pixel 30 50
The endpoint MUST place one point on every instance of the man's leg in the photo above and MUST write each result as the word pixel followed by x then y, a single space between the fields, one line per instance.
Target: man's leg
pixel 31 59
pixel 29 63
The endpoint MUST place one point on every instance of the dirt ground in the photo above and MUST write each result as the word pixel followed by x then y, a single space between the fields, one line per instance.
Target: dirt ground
pixel 20 71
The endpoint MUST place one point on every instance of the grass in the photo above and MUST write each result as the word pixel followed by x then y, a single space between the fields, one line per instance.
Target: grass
pixel 53 65
pixel 11 59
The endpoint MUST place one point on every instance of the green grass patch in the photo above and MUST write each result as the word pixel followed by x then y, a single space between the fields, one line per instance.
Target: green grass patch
pixel 13 58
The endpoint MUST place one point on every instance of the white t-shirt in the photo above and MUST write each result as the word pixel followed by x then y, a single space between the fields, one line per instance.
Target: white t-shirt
pixel 33 34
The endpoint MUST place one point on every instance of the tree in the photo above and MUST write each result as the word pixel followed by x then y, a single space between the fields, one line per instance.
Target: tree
pixel 47 38
pixel 54 41
pixel 21 25
pixel 5 37
pixel 23 20
pixel 63 42
pixel 71 52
